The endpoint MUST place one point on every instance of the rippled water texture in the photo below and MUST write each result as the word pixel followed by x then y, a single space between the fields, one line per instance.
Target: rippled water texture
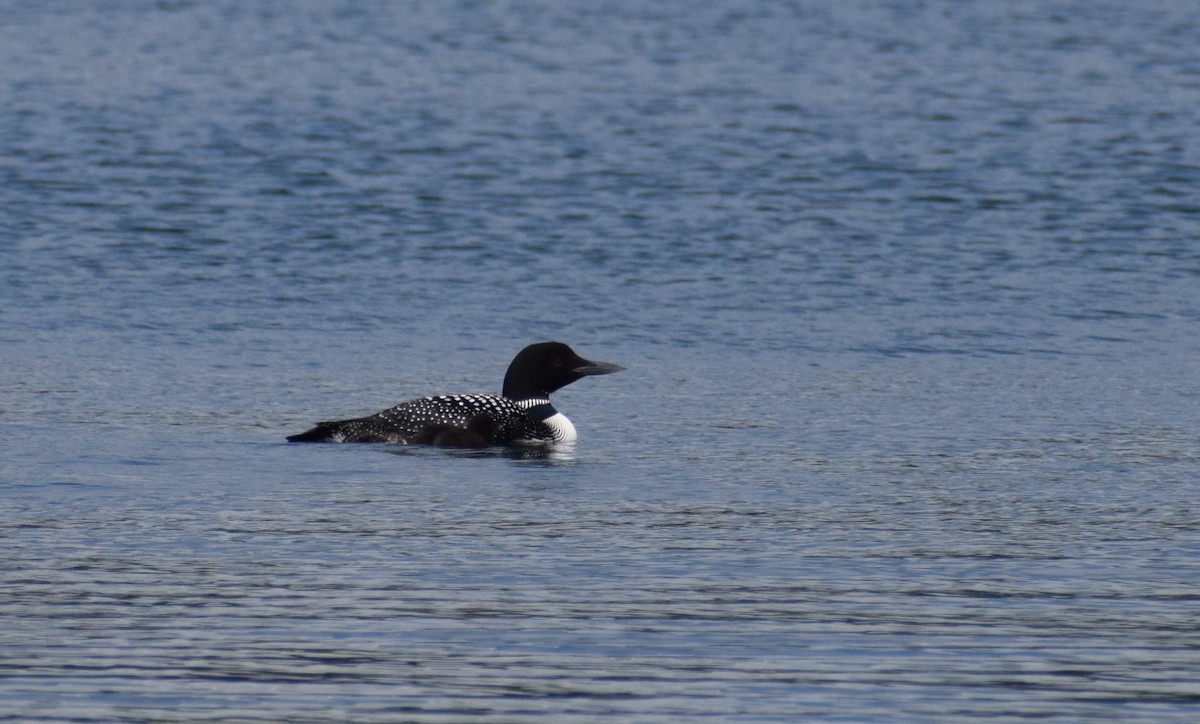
pixel 907 294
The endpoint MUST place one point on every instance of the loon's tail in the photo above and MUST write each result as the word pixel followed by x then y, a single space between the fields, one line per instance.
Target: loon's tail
pixel 323 432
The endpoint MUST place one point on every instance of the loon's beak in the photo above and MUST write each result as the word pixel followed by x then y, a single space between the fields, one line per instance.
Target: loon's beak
pixel 596 368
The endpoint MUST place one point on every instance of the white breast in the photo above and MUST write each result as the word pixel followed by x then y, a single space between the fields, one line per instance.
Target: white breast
pixel 564 431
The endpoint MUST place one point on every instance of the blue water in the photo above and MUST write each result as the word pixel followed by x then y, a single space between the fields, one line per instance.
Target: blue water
pixel 908 294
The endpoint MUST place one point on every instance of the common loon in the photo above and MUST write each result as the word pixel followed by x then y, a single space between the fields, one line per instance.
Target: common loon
pixel 479 432
pixel 522 413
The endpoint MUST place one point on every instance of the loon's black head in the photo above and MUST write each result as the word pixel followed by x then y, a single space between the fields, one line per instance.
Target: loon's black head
pixel 542 368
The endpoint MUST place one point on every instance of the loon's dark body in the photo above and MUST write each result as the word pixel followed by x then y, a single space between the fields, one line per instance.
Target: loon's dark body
pixel 522 413
pixel 479 432
pixel 404 421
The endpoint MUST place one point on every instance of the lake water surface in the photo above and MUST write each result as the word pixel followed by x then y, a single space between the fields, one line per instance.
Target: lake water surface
pixel 908 296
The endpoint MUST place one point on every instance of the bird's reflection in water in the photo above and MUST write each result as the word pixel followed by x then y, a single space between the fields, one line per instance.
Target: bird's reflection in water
pixel 550 454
